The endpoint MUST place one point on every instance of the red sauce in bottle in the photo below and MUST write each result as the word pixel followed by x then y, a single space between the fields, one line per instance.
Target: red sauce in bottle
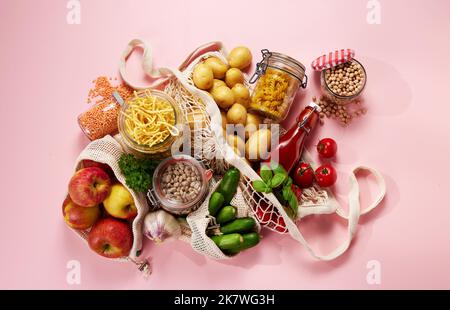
pixel 289 151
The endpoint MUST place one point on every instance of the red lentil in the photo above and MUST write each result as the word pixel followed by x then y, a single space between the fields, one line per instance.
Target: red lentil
pixel 101 119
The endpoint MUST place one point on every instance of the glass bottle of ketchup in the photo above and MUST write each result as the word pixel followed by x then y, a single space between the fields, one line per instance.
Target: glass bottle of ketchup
pixel 289 151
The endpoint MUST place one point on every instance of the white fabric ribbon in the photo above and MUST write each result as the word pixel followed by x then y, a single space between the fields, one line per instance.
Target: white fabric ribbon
pixel 162 75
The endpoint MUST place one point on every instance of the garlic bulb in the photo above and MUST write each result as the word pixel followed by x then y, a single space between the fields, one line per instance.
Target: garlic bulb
pixel 160 226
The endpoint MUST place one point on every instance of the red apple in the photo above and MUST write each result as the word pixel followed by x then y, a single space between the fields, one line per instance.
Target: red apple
pixel 120 203
pixel 79 217
pixel 89 186
pixel 86 163
pixel 110 238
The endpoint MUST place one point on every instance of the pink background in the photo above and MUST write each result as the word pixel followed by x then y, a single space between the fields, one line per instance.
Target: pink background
pixel 46 71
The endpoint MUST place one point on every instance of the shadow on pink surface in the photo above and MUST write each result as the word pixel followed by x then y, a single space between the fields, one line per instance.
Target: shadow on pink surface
pixel 387 81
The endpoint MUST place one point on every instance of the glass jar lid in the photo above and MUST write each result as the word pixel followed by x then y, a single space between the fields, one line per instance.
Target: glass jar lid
pixel 284 59
pixel 333 59
pixel 281 62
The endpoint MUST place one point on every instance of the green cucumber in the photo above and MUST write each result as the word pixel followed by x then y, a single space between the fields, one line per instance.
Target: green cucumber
pixel 241 225
pixel 250 240
pixel 227 242
pixel 226 214
pixel 215 203
pixel 228 185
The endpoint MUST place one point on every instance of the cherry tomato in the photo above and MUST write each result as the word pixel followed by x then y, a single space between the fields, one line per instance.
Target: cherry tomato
pixel 327 148
pixel 303 175
pixel 326 175
pixel 263 213
pixel 297 192
pixel 280 225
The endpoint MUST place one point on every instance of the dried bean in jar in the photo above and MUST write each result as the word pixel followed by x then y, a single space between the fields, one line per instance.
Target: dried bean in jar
pixel 182 182
pixel 346 79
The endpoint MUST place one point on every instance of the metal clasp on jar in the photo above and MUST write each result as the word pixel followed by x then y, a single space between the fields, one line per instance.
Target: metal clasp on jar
pixel 261 66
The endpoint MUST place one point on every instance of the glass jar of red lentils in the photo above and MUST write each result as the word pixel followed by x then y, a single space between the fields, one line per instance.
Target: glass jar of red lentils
pixel 100 120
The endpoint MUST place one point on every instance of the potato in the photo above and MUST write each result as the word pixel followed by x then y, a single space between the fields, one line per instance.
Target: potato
pixel 203 77
pixel 217 83
pixel 240 57
pixel 236 143
pixel 241 94
pixel 196 119
pixel 252 124
pixel 224 120
pixel 223 96
pixel 233 77
pixel 218 67
pixel 258 145
pixel 237 114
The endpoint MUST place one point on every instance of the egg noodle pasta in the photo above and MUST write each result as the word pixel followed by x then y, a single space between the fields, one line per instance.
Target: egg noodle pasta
pixel 149 119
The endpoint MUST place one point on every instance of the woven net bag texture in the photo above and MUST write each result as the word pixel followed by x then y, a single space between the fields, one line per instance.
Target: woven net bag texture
pixel 211 148
pixel 108 151
pixel 206 148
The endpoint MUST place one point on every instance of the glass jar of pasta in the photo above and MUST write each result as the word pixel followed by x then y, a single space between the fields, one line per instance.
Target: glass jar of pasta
pixel 150 122
pixel 278 78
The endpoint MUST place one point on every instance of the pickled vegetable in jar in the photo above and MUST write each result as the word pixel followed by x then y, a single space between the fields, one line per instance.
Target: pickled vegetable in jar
pixel 278 78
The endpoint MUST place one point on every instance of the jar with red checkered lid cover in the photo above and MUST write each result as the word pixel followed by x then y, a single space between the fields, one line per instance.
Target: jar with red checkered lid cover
pixel 342 78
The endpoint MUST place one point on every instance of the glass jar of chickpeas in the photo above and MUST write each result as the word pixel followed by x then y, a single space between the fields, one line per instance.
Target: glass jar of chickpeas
pixel 342 77
pixel 278 78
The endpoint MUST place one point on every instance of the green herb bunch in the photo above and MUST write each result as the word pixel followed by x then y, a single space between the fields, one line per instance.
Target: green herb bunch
pixel 138 172
pixel 276 179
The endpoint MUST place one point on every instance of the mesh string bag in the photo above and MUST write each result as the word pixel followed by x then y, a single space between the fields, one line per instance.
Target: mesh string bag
pixel 108 151
pixel 211 148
